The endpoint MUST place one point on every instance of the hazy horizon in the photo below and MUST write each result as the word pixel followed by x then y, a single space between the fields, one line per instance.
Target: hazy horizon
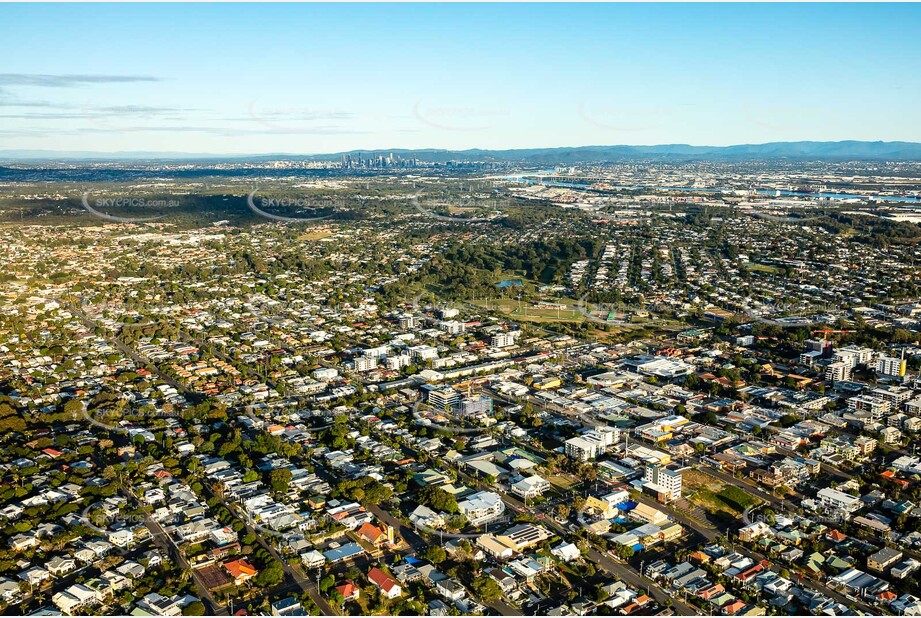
pixel 76 154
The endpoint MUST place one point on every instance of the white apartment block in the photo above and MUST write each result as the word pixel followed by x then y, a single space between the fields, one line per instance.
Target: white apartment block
pixel 590 445
pixel 854 355
pixel 397 362
pixel 378 352
pixel 891 366
pixel 452 327
pixel 325 373
pixel 482 507
pixel 834 499
pixel 896 395
pixel 913 407
pixel 876 407
pixel 581 449
pixel 444 398
pixel 667 480
pixel 423 352
pixel 838 371
pixel 365 363
pixel 504 339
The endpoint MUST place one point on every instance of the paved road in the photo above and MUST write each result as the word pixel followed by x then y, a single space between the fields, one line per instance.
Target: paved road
pixel 751 486
pixel 623 571
pixel 293 574
pixel 409 535
pixel 640 582
pixel 130 353
pixel 166 543
pixel 711 534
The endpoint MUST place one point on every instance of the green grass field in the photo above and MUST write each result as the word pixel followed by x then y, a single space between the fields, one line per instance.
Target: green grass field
pixel 764 268
pixel 530 311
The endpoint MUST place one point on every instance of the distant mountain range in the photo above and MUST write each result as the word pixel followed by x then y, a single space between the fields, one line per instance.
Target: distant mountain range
pixel 844 150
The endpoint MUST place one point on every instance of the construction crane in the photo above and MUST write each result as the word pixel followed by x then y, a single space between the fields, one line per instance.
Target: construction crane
pixel 826 331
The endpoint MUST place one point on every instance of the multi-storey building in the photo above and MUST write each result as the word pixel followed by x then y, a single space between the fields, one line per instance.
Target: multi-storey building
pixel 482 507
pixel 838 500
pixel 891 367
pixel 664 480
pixel 504 339
pixel 876 407
pixel 475 405
pixel 443 399
pixel 591 444
pixel 838 371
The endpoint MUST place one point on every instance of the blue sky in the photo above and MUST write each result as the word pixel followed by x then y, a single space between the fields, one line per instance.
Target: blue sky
pixel 309 78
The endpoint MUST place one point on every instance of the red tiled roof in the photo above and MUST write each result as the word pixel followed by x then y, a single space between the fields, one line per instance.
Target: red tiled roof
pixel 370 532
pixel 240 568
pixel 837 535
pixel 347 589
pixel 381 579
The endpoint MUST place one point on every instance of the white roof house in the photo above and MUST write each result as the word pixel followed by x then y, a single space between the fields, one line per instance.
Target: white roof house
pixel 566 552
pixel 530 487
pixel 482 507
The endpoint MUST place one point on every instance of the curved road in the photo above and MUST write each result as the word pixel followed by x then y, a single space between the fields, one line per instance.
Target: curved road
pixel 447 428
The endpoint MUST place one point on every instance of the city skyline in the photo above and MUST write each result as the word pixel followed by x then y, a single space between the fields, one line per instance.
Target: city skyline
pixel 324 78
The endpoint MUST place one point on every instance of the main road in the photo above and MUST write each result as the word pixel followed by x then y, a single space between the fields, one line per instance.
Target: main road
pixel 311 588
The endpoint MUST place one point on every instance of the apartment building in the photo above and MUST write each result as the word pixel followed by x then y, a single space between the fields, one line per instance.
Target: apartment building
pixel 838 500
pixel 475 405
pixel 482 507
pixel 664 480
pixel 854 355
pixel 442 399
pixel 504 339
pixel 896 395
pixel 591 444
pixel 364 363
pixel 891 367
pixel 877 408
pixel 838 371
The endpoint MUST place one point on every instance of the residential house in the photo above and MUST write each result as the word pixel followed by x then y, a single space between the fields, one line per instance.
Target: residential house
pixel 883 559
pixel 450 589
pixel 349 591
pixel 240 570
pixel 388 586
pixel 61 565
pixel 494 548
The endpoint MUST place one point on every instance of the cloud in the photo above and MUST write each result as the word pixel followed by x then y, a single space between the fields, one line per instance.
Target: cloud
pixel 9 82
pixel 222 131
pixel 140 109
pixel 69 81
pixel 108 119
pixel 11 101
pixel 90 112
pixel 305 115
